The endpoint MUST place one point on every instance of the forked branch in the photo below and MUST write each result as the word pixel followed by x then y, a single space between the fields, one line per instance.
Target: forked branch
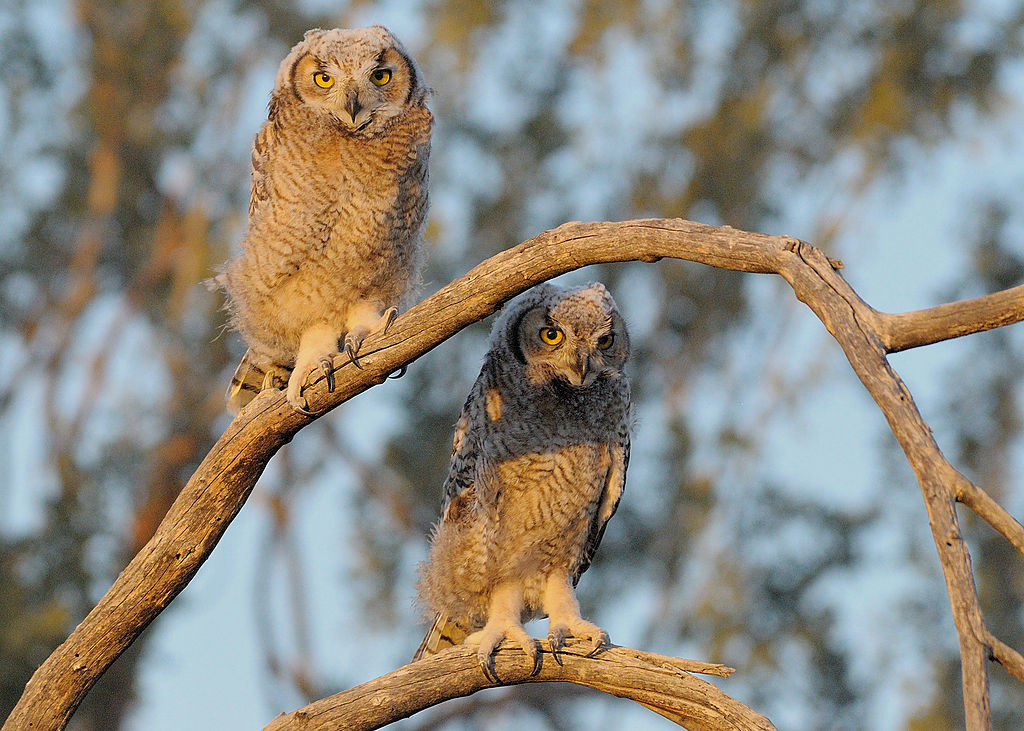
pixel 223 481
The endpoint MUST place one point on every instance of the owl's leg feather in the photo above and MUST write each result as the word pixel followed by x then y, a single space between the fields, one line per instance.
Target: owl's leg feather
pixel 564 618
pixel 503 621
pixel 317 346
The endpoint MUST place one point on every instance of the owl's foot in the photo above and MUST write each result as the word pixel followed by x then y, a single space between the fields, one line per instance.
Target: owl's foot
pixel 298 380
pixel 317 348
pixel 298 401
pixel 579 629
pixel 503 615
pixel 360 330
pixel 490 637
pixel 564 619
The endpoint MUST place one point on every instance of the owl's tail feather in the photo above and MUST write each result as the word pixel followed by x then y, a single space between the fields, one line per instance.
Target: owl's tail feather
pixel 443 633
pixel 249 380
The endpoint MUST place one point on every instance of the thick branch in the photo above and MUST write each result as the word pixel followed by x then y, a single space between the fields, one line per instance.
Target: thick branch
pixel 661 683
pixel 223 481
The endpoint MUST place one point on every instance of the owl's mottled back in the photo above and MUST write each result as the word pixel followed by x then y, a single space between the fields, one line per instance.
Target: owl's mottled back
pixel 538 467
pixel 337 207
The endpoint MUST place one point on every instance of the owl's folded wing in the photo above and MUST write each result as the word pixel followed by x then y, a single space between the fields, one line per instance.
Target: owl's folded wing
pixel 615 484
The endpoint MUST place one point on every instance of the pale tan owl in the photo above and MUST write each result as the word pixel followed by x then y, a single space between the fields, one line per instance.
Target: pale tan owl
pixel 538 467
pixel 338 201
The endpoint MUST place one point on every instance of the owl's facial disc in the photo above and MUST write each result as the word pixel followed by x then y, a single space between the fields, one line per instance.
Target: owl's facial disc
pixel 569 361
pixel 361 94
pixel 574 338
pixel 554 351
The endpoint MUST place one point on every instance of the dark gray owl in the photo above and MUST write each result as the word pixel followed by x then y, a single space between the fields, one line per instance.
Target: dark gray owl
pixel 537 469
pixel 336 212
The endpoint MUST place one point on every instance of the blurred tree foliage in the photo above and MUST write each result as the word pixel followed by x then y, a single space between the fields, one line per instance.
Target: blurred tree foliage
pixel 124 178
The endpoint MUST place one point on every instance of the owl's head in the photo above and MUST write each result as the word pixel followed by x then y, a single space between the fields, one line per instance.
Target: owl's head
pixel 575 336
pixel 360 78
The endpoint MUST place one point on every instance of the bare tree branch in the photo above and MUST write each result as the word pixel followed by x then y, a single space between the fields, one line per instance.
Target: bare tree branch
pixel 990 511
pixel 924 327
pixel 223 481
pixel 663 684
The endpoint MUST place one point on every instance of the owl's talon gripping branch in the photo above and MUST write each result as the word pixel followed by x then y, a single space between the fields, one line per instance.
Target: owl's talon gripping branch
pixel 352 344
pixel 599 643
pixel 327 366
pixel 365 321
pixel 302 409
pixel 490 639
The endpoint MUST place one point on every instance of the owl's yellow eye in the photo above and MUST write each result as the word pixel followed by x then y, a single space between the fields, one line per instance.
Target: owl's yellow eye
pixel 552 335
pixel 380 76
pixel 605 341
pixel 324 81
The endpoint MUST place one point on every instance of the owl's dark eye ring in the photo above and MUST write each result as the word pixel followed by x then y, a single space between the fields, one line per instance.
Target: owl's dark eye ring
pixel 605 341
pixel 324 81
pixel 552 335
pixel 380 76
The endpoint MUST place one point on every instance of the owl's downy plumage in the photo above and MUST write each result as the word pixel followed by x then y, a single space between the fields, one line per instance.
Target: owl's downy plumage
pixel 336 212
pixel 538 467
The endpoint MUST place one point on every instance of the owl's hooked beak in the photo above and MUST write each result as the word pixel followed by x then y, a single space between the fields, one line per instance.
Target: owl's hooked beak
pixel 582 374
pixel 352 105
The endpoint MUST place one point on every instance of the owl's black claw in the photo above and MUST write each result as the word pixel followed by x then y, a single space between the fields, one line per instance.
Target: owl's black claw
pixel 350 350
pixel 327 366
pixel 537 661
pixel 399 373
pixel 487 665
pixel 556 638
pixel 599 642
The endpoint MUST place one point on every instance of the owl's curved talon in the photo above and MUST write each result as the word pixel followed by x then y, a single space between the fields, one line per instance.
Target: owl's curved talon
pixel 581 630
pixel 487 665
pixel 351 346
pixel 401 372
pixel 556 637
pixel 304 410
pixel 597 647
pixel 598 642
pixel 386 319
pixel 327 367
